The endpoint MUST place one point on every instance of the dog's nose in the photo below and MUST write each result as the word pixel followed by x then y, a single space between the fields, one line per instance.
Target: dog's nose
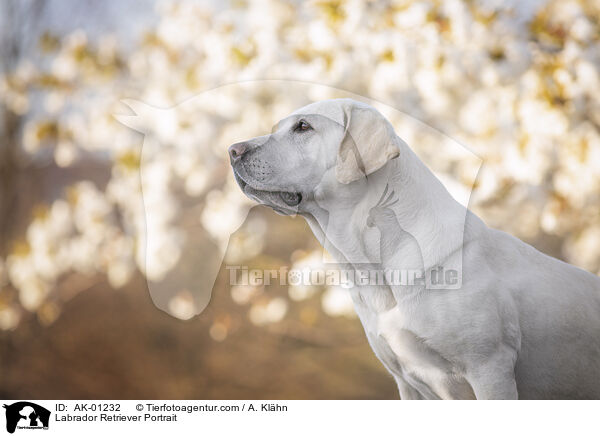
pixel 236 151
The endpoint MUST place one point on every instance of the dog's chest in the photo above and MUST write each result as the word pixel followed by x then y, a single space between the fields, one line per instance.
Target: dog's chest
pixel 406 355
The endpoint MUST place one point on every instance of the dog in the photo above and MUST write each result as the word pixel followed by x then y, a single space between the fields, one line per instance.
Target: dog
pixel 510 323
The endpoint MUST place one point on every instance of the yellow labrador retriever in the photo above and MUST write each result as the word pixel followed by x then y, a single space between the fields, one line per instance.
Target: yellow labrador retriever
pixel 505 322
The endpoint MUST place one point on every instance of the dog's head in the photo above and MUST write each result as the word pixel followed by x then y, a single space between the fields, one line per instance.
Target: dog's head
pixel 338 141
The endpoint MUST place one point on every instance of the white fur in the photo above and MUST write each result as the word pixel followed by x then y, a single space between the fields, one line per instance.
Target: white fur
pixel 519 325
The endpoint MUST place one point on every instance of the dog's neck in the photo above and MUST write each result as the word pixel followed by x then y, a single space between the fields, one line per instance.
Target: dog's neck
pixel 424 209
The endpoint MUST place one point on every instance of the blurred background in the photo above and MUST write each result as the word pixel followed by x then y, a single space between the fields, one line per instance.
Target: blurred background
pixel 99 222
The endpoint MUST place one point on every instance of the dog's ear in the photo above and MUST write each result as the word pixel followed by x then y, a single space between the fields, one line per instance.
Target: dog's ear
pixel 369 143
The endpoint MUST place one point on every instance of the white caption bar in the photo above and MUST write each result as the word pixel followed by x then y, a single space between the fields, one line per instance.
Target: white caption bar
pixel 366 418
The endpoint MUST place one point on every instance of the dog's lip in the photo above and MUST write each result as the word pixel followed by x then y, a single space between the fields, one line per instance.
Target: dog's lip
pixel 239 179
pixel 292 199
pixel 243 184
pixel 283 195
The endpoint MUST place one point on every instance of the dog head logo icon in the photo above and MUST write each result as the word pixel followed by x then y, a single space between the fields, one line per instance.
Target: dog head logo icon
pixel 26 415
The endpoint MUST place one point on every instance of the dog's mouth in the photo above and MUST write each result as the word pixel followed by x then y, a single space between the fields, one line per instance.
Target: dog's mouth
pixel 289 199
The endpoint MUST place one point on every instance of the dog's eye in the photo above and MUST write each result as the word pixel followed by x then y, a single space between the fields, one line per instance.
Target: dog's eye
pixel 302 126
